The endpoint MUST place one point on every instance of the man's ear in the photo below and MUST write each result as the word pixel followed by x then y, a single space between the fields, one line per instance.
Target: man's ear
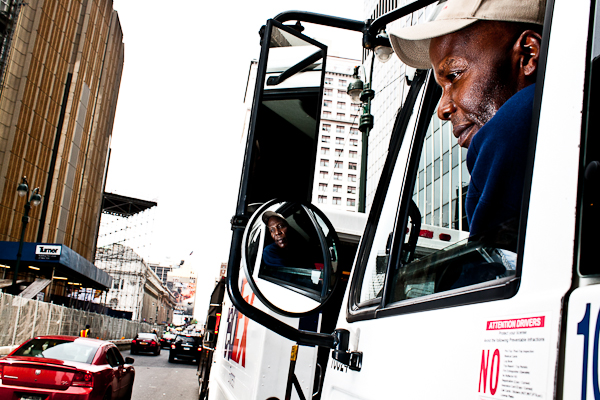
pixel 529 44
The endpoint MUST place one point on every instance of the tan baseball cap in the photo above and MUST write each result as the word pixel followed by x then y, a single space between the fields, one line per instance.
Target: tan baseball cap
pixel 411 44
pixel 268 214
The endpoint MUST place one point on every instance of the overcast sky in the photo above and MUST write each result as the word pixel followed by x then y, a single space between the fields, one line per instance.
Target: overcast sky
pixel 179 119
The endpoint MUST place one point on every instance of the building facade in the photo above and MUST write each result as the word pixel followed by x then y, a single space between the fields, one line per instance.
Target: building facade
pixel 60 83
pixel 337 173
pixel 136 289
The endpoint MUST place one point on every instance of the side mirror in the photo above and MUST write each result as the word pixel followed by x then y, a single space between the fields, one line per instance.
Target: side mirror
pixel 284 125
pixel 129 360
pixel 289 257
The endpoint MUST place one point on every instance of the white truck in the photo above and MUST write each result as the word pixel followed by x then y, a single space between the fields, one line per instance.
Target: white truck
pixel 526 324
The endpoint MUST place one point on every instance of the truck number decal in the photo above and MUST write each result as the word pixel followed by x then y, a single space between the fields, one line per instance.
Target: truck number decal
pixel 583 328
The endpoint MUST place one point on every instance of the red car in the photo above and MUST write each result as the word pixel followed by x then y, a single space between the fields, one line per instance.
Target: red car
pixel 66 367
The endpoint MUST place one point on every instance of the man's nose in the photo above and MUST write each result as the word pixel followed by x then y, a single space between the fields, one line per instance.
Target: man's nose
pixel 446 108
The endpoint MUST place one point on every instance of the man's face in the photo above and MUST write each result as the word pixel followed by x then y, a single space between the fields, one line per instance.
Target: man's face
pixel 278 230
pixel 475 70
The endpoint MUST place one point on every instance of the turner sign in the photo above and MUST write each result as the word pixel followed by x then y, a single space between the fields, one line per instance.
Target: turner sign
pixel 47 252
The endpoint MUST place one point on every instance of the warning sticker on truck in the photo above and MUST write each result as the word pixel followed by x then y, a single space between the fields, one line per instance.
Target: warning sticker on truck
pixel 514 359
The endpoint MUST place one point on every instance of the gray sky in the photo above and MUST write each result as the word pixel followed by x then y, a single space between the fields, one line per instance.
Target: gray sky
pixel 179 119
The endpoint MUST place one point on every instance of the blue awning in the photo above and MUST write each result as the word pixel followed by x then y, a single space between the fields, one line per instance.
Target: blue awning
pixel 47 256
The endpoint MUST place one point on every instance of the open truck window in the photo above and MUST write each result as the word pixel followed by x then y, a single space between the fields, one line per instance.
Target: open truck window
pixel 423 253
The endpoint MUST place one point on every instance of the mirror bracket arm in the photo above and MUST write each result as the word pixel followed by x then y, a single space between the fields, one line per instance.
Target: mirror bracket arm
pixel 239 222
pixel 306 338
pixel 340 353
pixel 276 80
pixel 369 28
pixel 321 19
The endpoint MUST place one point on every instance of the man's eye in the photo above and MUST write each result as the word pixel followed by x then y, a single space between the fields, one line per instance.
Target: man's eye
pixel 452 76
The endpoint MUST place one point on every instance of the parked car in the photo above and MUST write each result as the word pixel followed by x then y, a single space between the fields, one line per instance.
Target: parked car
pixel 147 342
pixel 60 367
pixel 166 340
pixel 186 347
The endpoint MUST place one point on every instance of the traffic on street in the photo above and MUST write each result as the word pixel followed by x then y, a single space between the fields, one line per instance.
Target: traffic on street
pixel 157 378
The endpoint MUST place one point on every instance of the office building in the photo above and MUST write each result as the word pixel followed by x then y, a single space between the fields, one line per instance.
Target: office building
pixel 337 173
pixel 61 65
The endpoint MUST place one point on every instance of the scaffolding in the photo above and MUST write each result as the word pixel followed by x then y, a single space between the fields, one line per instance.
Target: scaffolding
pixel 126 227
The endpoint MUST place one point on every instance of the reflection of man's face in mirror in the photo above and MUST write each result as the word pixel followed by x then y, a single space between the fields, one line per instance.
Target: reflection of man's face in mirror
pixel 278 229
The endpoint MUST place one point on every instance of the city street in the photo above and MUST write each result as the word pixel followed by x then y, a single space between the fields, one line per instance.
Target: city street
pixel 156 378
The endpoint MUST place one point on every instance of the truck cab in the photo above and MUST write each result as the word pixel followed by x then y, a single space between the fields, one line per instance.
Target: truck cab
pixel 509 313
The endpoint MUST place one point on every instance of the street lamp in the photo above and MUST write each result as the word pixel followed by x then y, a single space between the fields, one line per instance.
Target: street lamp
pixel 35 200
pixel 360 91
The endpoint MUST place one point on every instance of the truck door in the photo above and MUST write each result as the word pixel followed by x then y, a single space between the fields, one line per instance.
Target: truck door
pixel 582 332
pixel 481 318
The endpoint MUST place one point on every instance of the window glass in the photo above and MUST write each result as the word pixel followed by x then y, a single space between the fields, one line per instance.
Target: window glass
pixel 114 357
pixel 376 265
pixel 118 355
pixel 59 349
pixel 446 256
pixel 436 252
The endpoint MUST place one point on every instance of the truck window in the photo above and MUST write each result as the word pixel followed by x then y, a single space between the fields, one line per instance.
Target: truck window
pixel 450 264
pixel 589 212
pixel 449 259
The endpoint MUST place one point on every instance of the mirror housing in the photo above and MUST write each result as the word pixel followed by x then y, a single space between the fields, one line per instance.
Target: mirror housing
pixel 291 247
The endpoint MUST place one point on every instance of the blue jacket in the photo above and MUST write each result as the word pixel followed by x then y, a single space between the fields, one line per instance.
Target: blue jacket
pixel 496 161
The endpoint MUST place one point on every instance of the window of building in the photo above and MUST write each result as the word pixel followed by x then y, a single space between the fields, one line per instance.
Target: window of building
pixel 329 81
pixel 337 176
pixel 352 189
pixel 326 127
pixel 353 154
pixel 353 116
pixel 324 163
pixel 322 187
pixel 354 142
pixel 339 152
pixel 339 129
pixel 341 94
pixel 324 150
pixel 351 178
pixel 354 131
pixel 325 138
pixel 341 105
pixel 328 92
pixel 342 82
pixel 341 115
pixel 338 164
pixel 352 165
pixel 339 140
pixel 322 199
pixel 324 174
pixel 350 202
pixel 337 200
pixel 326 114
pixel 327 103
pixel 356 106
pixel 337 188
